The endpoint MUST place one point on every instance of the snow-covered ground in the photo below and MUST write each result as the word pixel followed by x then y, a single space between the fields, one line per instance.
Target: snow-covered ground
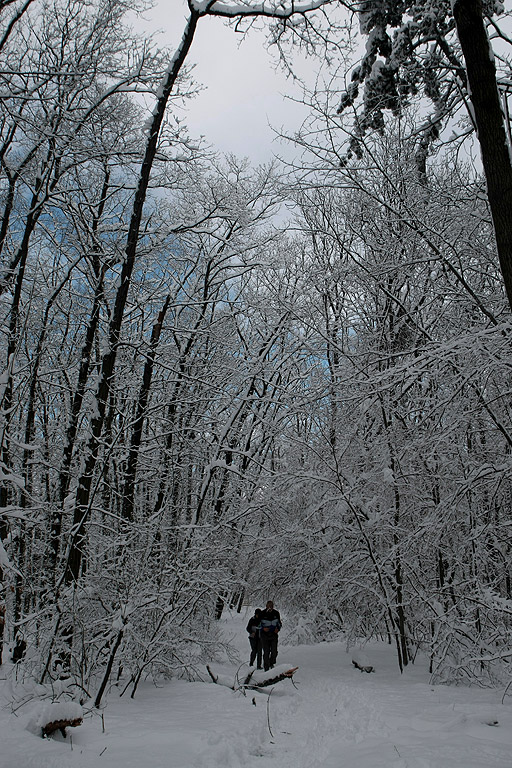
pixel 331 716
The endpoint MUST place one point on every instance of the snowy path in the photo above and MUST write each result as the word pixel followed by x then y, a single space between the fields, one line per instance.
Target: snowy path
pixel 340 717
pixel 335 717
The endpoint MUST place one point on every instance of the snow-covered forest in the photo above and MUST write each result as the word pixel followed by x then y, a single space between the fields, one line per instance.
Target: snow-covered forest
pixel 221 383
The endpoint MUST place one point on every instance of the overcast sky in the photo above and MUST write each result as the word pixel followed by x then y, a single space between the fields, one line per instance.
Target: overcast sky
pixel 244 92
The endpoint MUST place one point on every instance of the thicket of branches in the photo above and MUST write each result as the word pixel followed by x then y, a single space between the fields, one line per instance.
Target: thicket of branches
pixel 199 404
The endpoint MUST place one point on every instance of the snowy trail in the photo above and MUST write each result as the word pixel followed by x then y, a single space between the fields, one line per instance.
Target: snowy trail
pixel 333 717
pixel 340 717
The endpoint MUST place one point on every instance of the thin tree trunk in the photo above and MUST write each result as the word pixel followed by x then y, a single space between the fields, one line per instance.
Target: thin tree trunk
pixel 133 454
pixel 108 669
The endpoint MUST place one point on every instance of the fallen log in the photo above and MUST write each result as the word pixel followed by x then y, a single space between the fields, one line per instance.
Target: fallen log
pixel 361 661
pixel 59 725
pixel 250 683
pixel 255 679
pixel 366 668
pixel 59 716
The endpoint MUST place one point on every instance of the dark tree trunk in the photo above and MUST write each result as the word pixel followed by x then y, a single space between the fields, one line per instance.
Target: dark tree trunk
pixel 490 125
pixel 81 511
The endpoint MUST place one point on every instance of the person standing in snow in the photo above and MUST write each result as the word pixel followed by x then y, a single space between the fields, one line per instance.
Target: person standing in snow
pixel 270 626
pixel 253 628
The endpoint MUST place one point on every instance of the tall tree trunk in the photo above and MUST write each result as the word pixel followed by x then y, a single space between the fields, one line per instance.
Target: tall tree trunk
pixel 81 511
pixel 490 124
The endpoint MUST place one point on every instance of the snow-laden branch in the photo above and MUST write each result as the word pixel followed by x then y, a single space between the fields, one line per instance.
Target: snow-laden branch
pixel 276 9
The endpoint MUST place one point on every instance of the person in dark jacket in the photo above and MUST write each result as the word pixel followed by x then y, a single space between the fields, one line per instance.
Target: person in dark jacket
pixel 269 630
pixel 253 628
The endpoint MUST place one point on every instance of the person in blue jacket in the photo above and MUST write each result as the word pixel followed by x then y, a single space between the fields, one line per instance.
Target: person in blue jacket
pixel 269 630
pixel 253 628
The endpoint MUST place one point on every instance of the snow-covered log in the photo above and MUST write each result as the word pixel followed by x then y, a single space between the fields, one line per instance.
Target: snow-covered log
pixel 366 668
pixel 261 679
pixel 361 661
pixel 58 717
pixel 255 678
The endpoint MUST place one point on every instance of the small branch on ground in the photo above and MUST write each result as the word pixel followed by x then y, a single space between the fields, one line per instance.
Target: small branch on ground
pixel 268 715
pixel 213 677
